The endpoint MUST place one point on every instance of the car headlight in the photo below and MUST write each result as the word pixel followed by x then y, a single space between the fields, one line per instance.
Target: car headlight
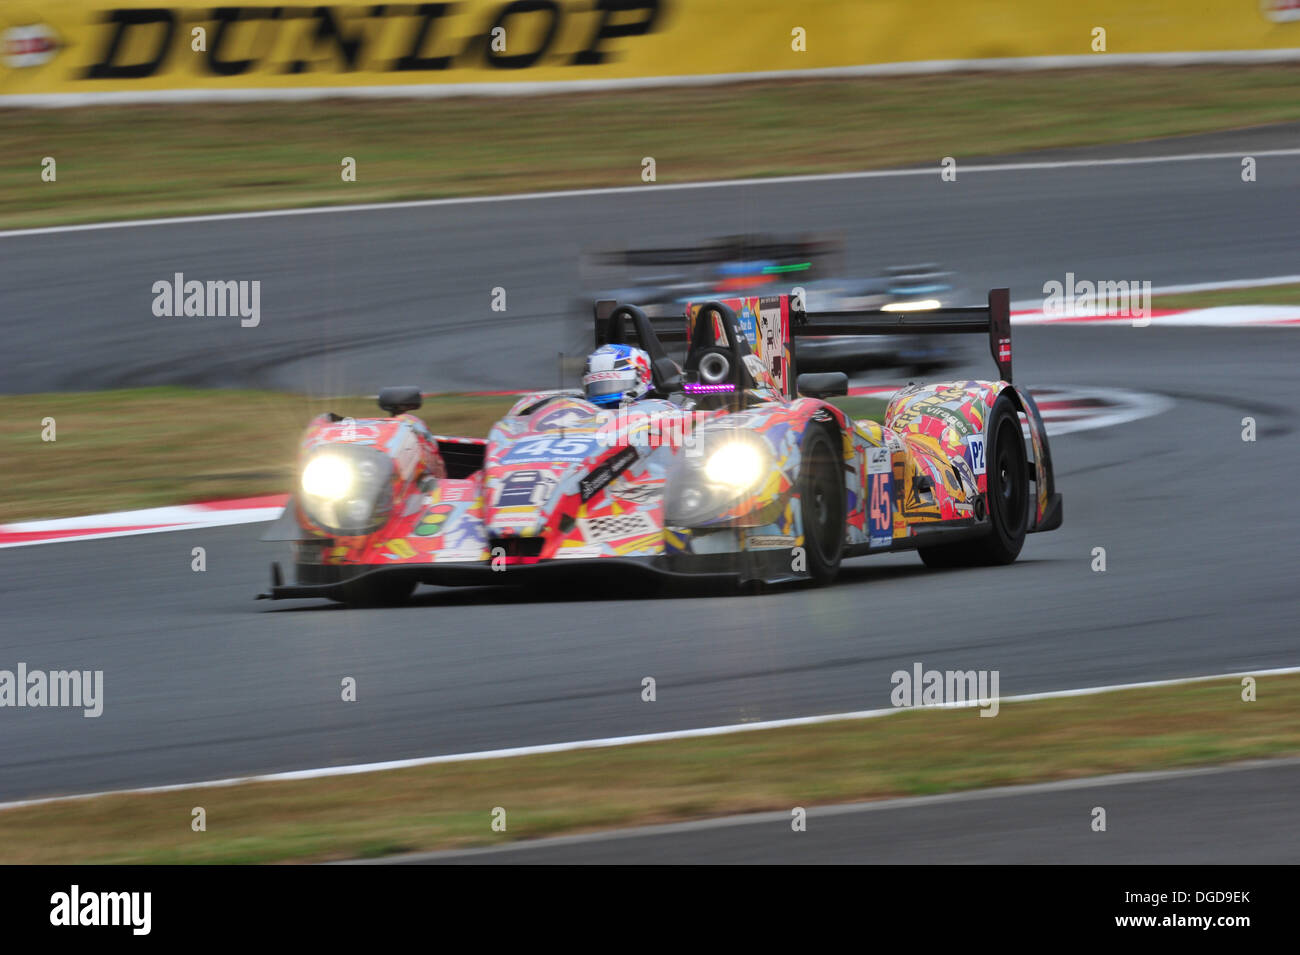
pixel 347 489
pixel 733 464
pixel 738 465
pixel 327 476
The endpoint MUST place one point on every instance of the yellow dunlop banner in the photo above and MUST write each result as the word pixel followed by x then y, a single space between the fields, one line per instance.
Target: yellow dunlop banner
pixel 77 47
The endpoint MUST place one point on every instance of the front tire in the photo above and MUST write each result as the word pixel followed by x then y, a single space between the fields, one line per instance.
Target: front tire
pixel 821 502
pixel 1007 495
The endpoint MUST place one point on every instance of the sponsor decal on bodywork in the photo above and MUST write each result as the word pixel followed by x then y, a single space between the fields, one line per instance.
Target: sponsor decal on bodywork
pixel 617 526
pixel 975 453
pixel 527 488
pixel 600 476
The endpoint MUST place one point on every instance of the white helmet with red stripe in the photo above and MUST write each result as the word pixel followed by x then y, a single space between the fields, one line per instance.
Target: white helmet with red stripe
pixel 616 373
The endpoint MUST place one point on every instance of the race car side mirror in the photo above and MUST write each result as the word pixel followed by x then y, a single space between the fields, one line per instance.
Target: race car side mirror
pixel 400 398
pixel 824 385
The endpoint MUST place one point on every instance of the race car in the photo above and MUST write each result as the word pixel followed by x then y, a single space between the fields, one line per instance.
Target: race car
pixel 661 281
pixel 730 466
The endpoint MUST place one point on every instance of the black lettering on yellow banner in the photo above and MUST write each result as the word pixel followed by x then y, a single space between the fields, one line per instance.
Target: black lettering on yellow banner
pixel 611 26
pixel 157 23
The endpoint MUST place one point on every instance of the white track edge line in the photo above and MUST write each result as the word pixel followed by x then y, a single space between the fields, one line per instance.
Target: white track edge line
pixel 139 531
pixel 613 741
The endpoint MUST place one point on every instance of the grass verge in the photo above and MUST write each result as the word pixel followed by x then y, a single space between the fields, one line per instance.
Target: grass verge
pixel 916 752
pixel 147 447
pixel 142 161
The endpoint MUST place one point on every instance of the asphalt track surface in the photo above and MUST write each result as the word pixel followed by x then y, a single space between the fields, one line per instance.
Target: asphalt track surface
pixel 201 682
pixel 1151 819
pixel 351 302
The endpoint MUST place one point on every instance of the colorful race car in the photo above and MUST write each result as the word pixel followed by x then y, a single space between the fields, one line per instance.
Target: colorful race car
pixel 731 466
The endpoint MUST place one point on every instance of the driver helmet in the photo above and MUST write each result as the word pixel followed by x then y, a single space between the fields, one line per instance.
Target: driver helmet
pixel 616 373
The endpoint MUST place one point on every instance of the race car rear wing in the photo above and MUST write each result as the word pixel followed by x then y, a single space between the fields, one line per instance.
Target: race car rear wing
pixel 605 335
pixel 726 249
pixel 995 319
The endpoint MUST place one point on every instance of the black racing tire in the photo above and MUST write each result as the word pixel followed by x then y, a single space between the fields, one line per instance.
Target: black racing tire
pixel 821 500
pixel 1007 498
pixel 378 591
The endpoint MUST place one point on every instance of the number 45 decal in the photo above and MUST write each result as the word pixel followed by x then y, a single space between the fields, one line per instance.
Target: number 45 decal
pixel 880 499
pixel 880 503
pixel 551 448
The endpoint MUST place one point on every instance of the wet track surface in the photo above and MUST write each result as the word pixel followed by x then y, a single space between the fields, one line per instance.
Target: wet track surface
pixel 201 682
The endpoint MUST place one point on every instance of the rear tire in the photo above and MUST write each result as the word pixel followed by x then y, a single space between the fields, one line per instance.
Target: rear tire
pixel 1007 497
pixel 821 500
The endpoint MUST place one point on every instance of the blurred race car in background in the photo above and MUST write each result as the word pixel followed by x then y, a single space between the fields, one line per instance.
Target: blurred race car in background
pixel 662 280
